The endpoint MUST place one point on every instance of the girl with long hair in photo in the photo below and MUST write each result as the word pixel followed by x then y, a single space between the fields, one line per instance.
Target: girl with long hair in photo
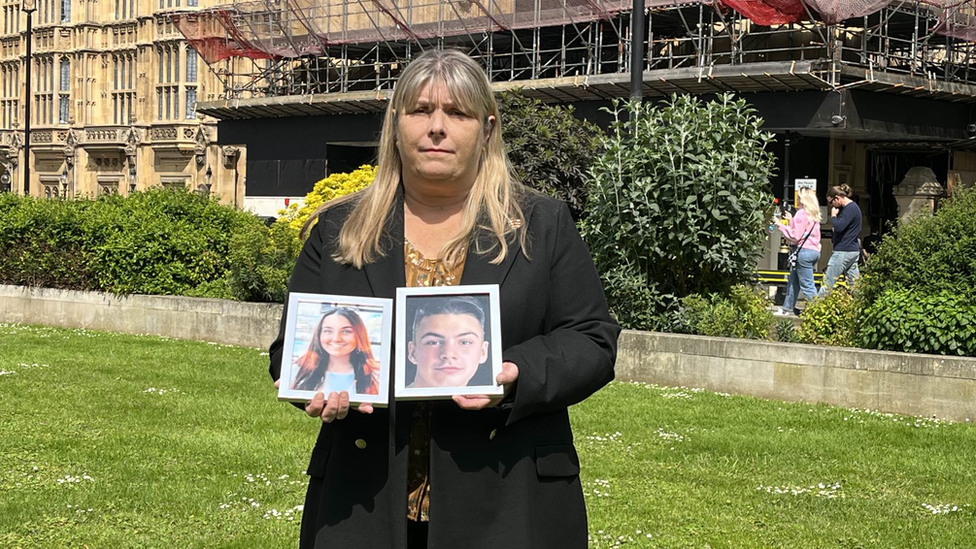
pixel 339 357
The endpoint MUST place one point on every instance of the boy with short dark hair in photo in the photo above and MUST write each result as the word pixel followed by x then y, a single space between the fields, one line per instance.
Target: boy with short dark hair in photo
pixel 448 342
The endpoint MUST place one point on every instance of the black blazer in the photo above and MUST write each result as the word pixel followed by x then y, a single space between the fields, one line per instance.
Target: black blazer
pixel 501 477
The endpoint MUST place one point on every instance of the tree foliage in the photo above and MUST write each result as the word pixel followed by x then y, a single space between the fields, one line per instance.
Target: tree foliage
pixel 550 149
pixel 677 196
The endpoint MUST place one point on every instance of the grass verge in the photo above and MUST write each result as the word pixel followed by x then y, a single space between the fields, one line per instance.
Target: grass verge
pixel 110 440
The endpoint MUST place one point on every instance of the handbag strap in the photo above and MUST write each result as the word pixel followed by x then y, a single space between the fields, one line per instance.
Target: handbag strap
pixel 805 237
pixel 800 245
pixel 804 241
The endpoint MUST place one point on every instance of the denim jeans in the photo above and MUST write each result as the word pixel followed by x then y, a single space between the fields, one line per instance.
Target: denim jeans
pixel 840 263
pixel 801 278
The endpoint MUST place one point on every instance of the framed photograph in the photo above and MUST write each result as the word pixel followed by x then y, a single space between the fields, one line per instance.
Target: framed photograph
pixel 448 342
pixel 337 343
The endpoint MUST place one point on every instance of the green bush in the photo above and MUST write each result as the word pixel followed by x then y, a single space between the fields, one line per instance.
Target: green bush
pixel 929 253
pixel 916 322
pixel 743 312
pixel 213 289
pixel 675 196
pixel 785 332
pixel 160 241
pixel 830 320
pixel 633 303
pixel 260 262
pixel 550 149
pixel 170 242
pixel 44 243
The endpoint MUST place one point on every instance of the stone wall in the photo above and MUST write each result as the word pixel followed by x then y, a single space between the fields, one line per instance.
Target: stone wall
pixel 217 320
pixel 894 382
pixel 906 383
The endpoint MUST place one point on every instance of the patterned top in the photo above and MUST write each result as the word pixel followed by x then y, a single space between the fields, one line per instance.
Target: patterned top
pixel 423 272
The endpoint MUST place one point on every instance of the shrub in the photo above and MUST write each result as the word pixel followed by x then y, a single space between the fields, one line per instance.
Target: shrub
pixel 912 321
pixel 929 253
pixel 634 305
pixel 43 243
pixel 741 313
pixel 260 262
pixel 785 332
pixel 550 149
pixel 159 241
pixel 830 320
pixel 675 195
pixel 333 186
pixel 213 289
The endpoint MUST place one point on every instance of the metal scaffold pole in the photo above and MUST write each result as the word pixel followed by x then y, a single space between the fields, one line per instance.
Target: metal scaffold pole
pixel 637 50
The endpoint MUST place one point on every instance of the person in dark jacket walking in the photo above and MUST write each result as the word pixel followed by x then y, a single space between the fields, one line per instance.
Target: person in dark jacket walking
pixel 845 219
pixel 477 472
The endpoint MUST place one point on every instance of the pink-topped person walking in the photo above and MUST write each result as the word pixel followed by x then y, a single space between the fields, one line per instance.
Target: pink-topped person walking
pixel 803 235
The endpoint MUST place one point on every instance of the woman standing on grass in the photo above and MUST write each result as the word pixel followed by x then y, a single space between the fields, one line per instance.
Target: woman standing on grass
pixel 339 357
pixel 803 232
pixel 477 472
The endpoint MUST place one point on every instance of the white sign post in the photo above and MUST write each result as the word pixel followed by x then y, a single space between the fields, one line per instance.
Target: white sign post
pixel 802 183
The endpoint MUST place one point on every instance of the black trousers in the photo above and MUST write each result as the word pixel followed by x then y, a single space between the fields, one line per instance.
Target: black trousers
pixel 416 535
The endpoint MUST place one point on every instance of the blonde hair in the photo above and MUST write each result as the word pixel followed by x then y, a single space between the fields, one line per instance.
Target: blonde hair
pixel 809 203
pixel 493 203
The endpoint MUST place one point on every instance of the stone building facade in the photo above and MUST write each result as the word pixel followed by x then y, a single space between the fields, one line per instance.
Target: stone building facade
pixel 113 102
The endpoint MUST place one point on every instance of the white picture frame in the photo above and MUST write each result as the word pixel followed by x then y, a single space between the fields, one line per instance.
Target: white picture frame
pixel 450 323
pixel 302 373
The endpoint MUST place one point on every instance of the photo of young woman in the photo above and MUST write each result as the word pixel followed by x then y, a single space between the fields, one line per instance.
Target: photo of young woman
pixel 339 356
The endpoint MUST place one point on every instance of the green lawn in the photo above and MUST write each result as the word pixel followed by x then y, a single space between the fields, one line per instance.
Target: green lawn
pixel 111 440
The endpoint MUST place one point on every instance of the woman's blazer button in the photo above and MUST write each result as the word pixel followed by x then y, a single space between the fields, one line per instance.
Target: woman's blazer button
pixel 361 444
pixel 492 435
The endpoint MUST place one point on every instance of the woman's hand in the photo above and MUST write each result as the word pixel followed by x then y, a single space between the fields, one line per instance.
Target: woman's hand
pixel 788 216
pixel 507 377
pixel 336 406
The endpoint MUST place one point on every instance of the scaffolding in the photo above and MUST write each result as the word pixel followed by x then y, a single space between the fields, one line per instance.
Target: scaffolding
pixel 271 48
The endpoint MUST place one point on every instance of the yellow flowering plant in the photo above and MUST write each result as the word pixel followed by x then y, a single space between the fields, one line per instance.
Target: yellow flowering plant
pixel 332 187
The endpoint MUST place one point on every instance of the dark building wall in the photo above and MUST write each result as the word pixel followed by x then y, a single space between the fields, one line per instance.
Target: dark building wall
pixel 809 158
pixel 286 156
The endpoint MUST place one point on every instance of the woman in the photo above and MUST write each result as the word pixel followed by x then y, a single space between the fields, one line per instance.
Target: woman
pixel 339 357
pixel 445 209
pixel 803 231
pixel 845 220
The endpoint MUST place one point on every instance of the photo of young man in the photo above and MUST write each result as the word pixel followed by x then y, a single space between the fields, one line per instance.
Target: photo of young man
pixel 448 344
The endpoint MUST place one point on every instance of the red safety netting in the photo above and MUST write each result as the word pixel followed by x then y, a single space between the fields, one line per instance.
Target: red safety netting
pixel 957 18
pixel 294 28
pixel 835 11
pixel 274 29
pixel 769 12
pixel 214 39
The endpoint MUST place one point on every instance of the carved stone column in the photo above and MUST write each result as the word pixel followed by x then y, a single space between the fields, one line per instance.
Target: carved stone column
pixel 132 139
pixel 70 145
